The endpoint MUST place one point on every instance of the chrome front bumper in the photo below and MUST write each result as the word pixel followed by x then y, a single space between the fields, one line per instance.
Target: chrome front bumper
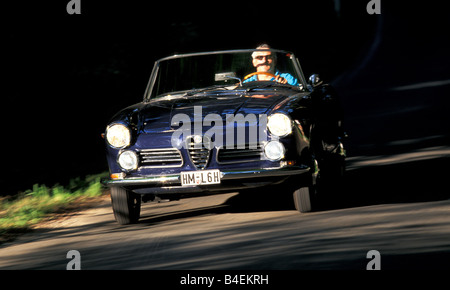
pixel 174 179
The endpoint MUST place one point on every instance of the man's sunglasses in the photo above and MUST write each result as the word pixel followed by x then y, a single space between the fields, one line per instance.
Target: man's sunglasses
pixel 261 57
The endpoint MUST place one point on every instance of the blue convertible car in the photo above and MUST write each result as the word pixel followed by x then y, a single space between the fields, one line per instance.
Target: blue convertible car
pixel 222 121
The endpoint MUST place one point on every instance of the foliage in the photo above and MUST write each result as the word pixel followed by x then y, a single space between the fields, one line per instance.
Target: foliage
pixel 20 212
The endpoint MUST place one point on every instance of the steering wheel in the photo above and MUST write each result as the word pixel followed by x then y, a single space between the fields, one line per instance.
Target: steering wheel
pixel 259 73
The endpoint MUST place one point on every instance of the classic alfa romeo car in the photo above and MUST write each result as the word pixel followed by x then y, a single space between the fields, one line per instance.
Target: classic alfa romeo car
pixel 225 121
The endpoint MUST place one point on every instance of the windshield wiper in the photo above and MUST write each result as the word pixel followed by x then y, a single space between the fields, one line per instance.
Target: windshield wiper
pixel 168 97
pixel 211 88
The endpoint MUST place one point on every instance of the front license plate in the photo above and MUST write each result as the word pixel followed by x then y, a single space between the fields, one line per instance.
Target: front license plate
pixel 200 177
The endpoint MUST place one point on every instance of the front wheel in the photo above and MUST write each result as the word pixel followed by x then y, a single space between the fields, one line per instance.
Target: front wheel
pixel 303 199
pixel 126 205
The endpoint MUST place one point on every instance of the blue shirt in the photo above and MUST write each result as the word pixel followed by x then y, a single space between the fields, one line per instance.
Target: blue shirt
pixel 289 78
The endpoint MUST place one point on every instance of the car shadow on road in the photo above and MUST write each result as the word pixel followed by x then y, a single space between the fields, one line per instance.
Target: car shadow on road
pixel 407 182
pixel 182 214
pixel 415 181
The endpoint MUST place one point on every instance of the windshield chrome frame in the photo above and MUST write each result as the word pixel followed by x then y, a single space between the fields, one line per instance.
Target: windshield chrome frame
pixel 154 74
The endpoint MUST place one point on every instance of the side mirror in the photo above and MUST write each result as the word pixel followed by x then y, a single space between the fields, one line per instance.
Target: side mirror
pixel 314 80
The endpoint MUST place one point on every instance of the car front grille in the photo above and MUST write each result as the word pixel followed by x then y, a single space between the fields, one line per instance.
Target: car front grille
pixel 235 155
pixel 166 157
pixel 198 153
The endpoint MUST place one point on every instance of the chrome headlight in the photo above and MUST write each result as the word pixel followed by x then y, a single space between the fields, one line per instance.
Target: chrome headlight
pixel 118 136
pixel 274 150
pixel 128 160
pixel 279 124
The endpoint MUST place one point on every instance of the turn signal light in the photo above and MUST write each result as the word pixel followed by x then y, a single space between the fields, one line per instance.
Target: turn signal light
pixel 120 175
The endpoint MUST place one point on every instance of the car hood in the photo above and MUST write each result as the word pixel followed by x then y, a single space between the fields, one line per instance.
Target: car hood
pixel 156 116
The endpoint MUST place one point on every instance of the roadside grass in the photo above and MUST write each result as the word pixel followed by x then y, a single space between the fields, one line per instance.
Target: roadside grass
pixel 20 212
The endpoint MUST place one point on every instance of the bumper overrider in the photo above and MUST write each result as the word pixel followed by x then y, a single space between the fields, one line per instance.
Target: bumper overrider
pixel 230 180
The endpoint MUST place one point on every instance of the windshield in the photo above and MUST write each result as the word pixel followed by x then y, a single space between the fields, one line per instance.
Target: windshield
pixel 192 73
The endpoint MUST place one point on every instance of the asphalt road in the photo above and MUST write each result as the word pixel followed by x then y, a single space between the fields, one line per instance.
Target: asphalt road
pixel 229 231
pixel 396 199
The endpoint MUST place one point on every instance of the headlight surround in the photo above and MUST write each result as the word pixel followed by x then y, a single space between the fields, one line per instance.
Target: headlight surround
pixel 279 124
pixel 274 150
pixel 118 135
pixel 128 160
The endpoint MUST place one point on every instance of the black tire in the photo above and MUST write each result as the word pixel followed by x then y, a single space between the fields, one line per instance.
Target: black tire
pixel 303 199
pixel 126 205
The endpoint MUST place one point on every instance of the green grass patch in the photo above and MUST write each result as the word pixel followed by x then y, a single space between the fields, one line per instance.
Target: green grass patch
pixel 20 212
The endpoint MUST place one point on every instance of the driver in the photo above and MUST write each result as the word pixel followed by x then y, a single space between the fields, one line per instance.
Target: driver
pixel 264 61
